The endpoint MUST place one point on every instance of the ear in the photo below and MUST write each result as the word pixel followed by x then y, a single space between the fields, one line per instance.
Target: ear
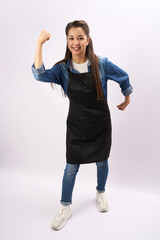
pixel 89 40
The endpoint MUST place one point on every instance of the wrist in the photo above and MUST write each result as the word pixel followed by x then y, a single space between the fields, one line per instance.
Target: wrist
pixel 39 44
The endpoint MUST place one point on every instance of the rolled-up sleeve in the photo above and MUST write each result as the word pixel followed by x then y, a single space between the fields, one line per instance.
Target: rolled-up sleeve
pixel 118 75
pixel 47 75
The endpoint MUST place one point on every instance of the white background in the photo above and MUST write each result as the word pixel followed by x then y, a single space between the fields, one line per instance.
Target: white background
pixel 33 117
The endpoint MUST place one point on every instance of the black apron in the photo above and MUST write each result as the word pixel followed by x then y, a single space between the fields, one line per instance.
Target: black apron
pixel 88 135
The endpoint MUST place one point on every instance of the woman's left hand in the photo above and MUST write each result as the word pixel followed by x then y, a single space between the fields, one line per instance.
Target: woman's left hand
pixel 124 104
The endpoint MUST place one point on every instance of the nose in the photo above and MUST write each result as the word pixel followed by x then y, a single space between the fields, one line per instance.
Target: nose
pixel 76 42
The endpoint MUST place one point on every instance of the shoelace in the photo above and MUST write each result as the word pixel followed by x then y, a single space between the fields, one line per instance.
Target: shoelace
pixel 61 213
pixel 102 198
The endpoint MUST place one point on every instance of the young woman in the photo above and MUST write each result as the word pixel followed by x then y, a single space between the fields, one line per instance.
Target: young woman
pixel 83 78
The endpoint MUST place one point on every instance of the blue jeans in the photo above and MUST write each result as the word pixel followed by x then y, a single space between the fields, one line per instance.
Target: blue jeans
pixel 70 176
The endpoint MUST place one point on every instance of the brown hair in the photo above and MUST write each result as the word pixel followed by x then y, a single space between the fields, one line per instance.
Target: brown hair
pixel 89 53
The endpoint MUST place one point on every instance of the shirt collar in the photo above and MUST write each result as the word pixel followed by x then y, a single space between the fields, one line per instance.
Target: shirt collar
pixel 69 64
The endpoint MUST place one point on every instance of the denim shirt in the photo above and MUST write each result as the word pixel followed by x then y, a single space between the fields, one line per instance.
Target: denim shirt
pixel 59 74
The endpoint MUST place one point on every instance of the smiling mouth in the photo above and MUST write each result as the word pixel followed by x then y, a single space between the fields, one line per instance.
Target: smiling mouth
pixel 76 49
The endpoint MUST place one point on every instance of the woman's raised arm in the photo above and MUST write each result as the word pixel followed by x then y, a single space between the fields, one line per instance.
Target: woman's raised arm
pixel 44 36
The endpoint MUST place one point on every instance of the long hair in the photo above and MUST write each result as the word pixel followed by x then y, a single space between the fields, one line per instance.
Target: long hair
pixel 89 53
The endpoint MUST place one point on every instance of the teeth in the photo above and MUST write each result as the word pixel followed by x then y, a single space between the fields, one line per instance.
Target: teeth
pixel 76 48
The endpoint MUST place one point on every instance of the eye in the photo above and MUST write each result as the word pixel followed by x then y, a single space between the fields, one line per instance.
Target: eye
pixel 81 38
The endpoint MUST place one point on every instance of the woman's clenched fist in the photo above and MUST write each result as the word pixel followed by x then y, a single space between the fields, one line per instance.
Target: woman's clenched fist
pixel 44 36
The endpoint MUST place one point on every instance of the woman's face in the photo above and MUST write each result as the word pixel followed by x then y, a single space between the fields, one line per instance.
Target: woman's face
pixel 77 41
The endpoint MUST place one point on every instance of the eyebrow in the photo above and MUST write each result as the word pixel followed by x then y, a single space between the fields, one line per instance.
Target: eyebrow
pixel 78 35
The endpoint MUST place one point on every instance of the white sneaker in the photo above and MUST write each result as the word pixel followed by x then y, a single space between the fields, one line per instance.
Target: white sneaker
pixel 102 204
pixel 61 218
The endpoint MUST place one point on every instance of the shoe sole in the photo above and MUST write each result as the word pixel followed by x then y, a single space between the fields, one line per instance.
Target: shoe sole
pixel 61 225
pixel 101 210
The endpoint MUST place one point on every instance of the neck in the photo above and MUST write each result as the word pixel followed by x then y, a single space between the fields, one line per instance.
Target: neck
pixel 79 59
